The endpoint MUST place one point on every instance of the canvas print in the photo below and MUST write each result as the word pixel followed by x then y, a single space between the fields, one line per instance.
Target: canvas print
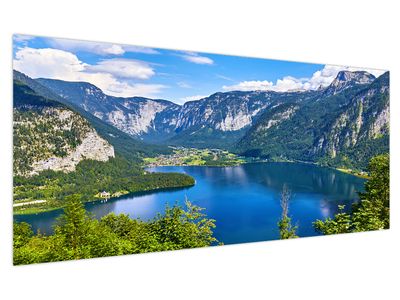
pixel 122 149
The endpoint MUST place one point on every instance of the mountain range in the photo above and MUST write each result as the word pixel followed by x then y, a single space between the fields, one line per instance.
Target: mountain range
pixel 343 124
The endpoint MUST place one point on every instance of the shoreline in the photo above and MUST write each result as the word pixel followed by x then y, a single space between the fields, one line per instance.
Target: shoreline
pixel 342 170
pixel 121 194
pixel 39 210
pixel 352 172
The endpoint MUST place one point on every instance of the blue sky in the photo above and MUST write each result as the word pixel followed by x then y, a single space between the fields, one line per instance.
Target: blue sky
pixel 179 76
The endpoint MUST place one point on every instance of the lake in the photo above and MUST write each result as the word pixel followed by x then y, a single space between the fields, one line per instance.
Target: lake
pixel 244 200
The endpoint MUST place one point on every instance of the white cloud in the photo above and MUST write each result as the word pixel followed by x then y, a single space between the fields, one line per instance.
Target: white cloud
pixel 289 83
pixel 320 78
pixel 48 63
pixel 190 98
pixel 197 59
pixel 252 85
pixel 126 68
pixel 97 47
pixel 325 76
pixel 59 64
pixel 125 89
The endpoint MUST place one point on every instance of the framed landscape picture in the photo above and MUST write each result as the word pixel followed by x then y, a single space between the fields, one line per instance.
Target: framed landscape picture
pixel 122 149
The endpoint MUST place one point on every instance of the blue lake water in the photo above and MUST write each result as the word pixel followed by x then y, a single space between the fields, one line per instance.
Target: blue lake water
pixel 244 200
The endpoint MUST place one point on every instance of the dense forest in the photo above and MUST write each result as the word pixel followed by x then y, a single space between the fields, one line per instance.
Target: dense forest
pixel 78 236
pixel 118 176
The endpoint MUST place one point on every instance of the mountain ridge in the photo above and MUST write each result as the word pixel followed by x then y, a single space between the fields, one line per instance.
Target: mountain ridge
pixel 124 144
pixel 278 125
pixel 345 79
pixel 162 121
pixel 329 131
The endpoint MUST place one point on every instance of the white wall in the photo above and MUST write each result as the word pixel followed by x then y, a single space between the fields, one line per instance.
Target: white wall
pixel 356 33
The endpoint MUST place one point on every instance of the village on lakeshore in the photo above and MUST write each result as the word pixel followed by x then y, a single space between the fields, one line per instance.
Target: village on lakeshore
pixel 196 157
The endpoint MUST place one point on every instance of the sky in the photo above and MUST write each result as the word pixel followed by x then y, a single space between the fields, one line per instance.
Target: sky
pixel 178 76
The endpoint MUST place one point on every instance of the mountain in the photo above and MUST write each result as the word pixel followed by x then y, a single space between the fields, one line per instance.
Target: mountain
pixel 149 119
pixel 215 121
pixel 59 151
pixel 221 119
pixel 348 79
pixel 345 125
pixel 48 135
pixel 342 124
pixel 361 130
pixel 124 144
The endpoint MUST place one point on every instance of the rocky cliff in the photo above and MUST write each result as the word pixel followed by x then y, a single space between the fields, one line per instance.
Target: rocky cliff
pixel 48 135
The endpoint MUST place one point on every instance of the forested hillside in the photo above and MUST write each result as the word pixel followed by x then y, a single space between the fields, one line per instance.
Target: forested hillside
pixel 343 126
pixel 57 152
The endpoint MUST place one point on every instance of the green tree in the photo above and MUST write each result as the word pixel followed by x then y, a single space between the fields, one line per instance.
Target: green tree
pixel 22 234
pixel 73 225
pixel 372 212
pixel 179 228
pixel 377 191
pixel 286 229
pixel 341 223
pixel 78 236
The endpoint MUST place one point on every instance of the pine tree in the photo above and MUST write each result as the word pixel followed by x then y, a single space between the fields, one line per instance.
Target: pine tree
pixel 73 225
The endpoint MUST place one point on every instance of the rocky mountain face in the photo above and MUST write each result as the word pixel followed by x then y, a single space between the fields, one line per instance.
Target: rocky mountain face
pixel 217 120
pixel 124 144
pixel 345 125
pixel 223 111
pixel 347 79
pixel 144 118
pixel 221 119
pixel 331 125
pixel 48 135
pixel 361 129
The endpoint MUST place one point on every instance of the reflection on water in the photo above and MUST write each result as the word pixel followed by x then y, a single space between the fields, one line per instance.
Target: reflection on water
pixel 243 200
